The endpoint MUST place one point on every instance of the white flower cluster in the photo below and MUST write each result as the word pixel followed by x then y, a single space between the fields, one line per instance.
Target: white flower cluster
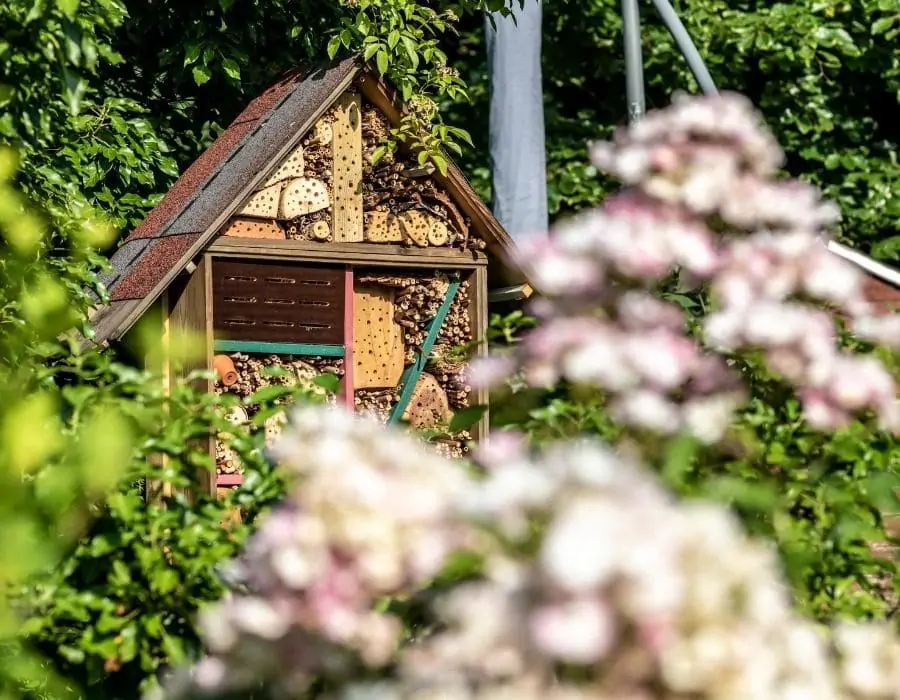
pixel 621 593
pixel 702 200
pixel 370 515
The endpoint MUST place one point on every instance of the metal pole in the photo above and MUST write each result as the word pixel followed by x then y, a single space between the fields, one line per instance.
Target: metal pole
pixel 685 44
pixel 634 62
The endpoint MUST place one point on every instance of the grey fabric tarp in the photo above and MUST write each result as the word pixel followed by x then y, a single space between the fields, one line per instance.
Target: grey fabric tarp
pixel 517 150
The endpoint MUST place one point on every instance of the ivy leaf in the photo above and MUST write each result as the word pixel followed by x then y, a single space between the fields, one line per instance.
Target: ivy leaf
pixel 201 74
pixel 191 54
pixel 232 69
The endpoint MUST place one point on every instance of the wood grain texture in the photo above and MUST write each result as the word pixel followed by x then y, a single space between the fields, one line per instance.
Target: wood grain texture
pixel 348 382
pixel 254 228
pixel 478 318
pixel 271 302
pixel 347 209
pixel 428 406
pixel 348 253
pixel 379 351
pixel 187 346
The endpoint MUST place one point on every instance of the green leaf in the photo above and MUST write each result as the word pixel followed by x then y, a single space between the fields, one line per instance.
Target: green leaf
pixel 68 7
pixel 232 70
pixel 882 25
pixel 465 418
pixel 270 393
pixel 370 51
pixel 393 38
pixel 882 489
pixel 328 381
pixel 440 162
pixel 334 45
pixel 165 581
pixel 381 60
pixel 71 654
pixel 201 74
pixel 679 458
pixel 191 54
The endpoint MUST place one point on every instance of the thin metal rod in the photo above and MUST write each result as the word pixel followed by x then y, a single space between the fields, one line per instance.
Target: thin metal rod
pixel 634 62
pixel 686 46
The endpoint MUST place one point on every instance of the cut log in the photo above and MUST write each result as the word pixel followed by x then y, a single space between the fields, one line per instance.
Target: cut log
pixel 318 231
pixel 415 226
pixel 291 167
pixel 428 406
pixel 347 214
pixel 254 228
pixel 302 196
pixel 378 351
pixel 438 234
pixel 263 204
pixel 383 227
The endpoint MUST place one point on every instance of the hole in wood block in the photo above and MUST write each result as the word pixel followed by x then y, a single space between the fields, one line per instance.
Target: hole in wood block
pixel 241 300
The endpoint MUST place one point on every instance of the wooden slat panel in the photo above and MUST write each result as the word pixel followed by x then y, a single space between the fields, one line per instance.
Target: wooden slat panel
pixel 273 302
pixel 347 203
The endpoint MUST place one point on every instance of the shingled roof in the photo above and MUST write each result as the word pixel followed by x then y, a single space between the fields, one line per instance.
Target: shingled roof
pixel 208 193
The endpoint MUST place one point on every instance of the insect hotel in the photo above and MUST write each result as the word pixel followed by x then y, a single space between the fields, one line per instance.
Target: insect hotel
pixel 283 244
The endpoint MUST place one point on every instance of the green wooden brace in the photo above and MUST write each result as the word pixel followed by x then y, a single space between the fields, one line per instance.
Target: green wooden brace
pixel 412 373
pixel 305 349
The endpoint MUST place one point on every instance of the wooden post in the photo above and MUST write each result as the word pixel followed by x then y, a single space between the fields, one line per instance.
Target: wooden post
pixel 478 314
pixel 348 389
pixel 190 312
pixel 347 203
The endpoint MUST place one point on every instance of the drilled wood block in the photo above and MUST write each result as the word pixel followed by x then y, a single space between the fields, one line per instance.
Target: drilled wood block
pixel 254 228
pixel 428 406
pixel 378 339
pixel 438 233
pixel 383 227
pixel 293 166
pixel 263 204
pixel 302 196
pixel 277 302
pixel 347 212
pixel 416 227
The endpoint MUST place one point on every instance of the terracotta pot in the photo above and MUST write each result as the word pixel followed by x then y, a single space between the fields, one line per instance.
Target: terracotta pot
pixel 224 367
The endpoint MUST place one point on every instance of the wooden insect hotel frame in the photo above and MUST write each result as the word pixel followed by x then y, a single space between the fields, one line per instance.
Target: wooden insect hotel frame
pixel 284 244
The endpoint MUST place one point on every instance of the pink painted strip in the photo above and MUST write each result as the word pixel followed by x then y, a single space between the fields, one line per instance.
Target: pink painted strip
pixel 348 339
pixel 229 479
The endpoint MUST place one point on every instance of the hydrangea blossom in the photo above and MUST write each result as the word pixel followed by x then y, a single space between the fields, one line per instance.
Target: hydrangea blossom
pixel 702 200
pixel 627 593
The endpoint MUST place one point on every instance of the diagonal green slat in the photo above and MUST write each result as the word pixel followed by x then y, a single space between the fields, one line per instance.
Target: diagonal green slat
pixel 412 373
